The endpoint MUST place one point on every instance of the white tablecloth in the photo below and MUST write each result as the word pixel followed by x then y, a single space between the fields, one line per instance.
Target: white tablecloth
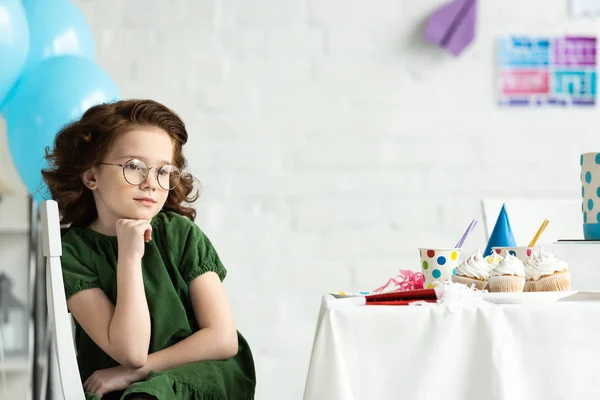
pixel 508 352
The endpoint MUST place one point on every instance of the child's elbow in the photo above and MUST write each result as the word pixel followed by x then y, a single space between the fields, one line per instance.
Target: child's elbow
pixel 135 361
pixel 230 346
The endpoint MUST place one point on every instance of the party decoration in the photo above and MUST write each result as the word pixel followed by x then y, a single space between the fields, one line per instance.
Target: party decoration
pixel 537 71
pixel 57 27
pixel 405 280
pixel 47 96
pixel 453 25
pixel 502 235
pixel 14 43
pixel 47 78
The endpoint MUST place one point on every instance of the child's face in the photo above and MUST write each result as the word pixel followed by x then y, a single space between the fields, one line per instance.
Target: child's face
pixel 115 197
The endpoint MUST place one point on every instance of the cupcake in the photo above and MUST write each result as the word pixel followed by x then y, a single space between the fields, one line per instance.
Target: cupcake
pixel 529 273
pixel 508 276
pixel 493 260
pixel 549 274
pixel 474 271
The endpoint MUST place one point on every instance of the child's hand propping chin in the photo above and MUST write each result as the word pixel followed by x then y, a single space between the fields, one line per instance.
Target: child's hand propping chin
pixel 131 236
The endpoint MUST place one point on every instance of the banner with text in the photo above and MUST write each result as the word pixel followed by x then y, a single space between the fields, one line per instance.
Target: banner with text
pixel 538 71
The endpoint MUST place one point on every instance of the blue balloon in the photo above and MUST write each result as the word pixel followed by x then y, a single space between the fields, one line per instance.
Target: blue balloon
pixel 57 27
pixel 46 97
pixel 14 42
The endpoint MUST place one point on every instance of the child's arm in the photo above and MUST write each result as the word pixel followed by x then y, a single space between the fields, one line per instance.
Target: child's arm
pixel 123 330
pixel 94 311
pixel 217 337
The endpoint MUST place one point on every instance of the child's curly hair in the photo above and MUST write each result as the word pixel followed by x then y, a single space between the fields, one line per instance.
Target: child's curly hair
pixel 84 143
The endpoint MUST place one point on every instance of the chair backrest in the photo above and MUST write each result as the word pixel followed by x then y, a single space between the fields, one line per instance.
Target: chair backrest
pixel 59 317
pixel 526 216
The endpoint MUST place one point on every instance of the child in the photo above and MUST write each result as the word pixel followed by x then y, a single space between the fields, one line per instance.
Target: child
pixel 142 281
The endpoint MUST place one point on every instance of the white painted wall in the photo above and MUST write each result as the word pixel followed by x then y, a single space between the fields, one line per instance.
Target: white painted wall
pixel 332 141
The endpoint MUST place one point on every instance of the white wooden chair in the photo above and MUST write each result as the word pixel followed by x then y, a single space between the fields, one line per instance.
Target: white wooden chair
pixel 59 317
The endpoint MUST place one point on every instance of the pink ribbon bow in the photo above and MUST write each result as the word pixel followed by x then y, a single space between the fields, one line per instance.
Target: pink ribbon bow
pixel 405 280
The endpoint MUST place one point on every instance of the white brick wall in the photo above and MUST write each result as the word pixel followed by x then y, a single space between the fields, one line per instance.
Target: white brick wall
pixel 332 141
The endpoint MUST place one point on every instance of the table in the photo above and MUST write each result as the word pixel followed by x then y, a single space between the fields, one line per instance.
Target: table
pixel 491 352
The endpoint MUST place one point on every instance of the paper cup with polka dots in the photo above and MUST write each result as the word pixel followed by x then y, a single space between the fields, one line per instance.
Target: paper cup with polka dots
pixel 523 253
pixel 438 265
pixel 590 194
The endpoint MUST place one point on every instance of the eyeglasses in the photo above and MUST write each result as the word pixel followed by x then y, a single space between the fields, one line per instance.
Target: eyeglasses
pixel 136 172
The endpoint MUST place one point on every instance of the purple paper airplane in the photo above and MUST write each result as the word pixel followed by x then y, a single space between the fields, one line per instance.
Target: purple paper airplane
pixel 453 26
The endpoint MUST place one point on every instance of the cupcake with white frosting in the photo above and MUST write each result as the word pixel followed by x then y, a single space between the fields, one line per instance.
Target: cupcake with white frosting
pixel 493 260
pixel 508 275
pixel 549 274
pixel 474 271
pixel 529 273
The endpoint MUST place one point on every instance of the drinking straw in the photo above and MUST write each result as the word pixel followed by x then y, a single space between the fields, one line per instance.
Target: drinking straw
pixel 464 236
pixel 539 233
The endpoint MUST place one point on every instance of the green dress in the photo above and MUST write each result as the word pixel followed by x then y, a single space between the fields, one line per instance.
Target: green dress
pixel 178 252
